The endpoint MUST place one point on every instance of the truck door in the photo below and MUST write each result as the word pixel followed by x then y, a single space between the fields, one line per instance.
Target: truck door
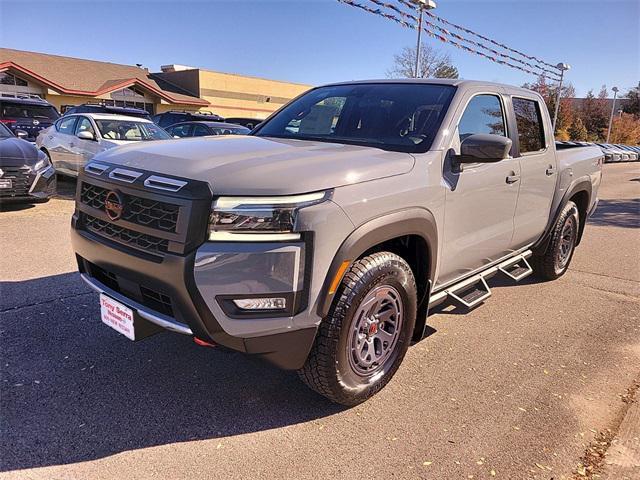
pixel 536 154
pixel 480 201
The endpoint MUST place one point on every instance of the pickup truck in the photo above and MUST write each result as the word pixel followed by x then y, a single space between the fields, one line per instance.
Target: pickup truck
pixel 321 240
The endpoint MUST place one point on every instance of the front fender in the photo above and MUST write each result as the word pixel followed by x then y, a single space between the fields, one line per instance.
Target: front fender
pixel 413 221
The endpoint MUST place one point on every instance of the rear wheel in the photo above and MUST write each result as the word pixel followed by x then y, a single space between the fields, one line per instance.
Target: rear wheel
pixel 555 261
pixel 362 342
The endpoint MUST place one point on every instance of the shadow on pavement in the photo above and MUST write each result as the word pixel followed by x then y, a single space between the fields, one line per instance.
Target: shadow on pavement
pixel 73 390
pixel 617 213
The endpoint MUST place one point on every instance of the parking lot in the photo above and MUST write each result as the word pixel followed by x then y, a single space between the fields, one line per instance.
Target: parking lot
pixel 519 388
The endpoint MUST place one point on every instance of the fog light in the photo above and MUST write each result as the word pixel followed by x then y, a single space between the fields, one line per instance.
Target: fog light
pixel 273 303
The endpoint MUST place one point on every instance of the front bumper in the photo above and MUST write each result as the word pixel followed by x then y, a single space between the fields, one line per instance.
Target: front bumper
pixel 30 186
pixel 165 291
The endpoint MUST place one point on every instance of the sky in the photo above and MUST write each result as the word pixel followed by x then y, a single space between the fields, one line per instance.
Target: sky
pixel 322 41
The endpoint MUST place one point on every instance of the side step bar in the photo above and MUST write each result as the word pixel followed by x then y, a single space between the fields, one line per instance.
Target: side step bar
pixel 474 290
pixel 517 269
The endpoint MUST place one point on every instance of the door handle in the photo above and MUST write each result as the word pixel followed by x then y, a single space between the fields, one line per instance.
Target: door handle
pixel 71 144
pixel 550 171
pixel 50 137
pixel 512 178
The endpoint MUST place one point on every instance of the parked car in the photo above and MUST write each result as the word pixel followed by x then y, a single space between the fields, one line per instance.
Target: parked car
pixel 75 139
pixel 322 250
pixel 613 153
pixel 172 117
pixel 205 129
pixel 25 172
pixel 29 113
pixel 101 108
pixel 633 155
pixel 250 123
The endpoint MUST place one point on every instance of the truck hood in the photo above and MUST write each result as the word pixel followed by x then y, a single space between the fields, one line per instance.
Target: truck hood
pixel 247 165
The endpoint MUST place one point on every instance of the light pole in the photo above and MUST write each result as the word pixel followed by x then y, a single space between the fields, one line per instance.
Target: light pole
pixel 615 94
pixel 422 6
pixel 563 68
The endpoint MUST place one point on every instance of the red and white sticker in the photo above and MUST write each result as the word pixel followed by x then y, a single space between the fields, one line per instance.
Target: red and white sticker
pixel 117 316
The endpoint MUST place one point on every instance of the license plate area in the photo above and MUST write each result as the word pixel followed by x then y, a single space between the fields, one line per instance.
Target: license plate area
pixel 125 320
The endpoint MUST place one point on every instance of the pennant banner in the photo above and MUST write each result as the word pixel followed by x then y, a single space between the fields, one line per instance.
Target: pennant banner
pixel 524 67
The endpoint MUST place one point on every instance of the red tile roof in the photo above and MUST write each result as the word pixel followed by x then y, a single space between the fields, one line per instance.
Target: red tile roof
pixel 76 76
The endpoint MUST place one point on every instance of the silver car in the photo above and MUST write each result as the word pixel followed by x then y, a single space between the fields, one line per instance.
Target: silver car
pixel 74 140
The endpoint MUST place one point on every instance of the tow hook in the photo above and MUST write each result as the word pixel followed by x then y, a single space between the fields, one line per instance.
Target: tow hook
pixel 202 343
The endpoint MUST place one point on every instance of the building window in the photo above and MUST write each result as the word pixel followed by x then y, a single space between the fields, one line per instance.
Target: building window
pixel 8 79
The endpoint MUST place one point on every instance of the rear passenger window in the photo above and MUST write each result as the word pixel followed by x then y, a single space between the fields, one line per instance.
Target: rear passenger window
pixel 483 114
pixel 529 121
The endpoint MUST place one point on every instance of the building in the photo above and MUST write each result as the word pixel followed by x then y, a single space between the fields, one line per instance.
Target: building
pixel 66 81
pixel 232 95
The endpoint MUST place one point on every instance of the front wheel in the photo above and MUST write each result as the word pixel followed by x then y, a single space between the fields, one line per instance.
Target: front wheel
pixel 362 342
pixel 555 261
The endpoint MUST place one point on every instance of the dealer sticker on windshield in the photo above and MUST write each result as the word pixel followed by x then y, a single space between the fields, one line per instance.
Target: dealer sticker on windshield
pixel 117 316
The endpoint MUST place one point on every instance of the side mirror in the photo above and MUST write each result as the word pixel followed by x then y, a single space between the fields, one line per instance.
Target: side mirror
pixel 483 148
pixel 21 134
pixel 177 136
pixel 86 135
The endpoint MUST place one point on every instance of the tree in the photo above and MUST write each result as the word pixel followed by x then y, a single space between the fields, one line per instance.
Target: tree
pixel 577 130
pixel 433 63
pixel 626 130
pixel 595 116
pixel 632 103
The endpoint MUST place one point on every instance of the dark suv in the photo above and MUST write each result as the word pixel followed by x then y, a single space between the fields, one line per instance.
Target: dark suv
pixel 172 117
pixel 28 114
pixel 101 108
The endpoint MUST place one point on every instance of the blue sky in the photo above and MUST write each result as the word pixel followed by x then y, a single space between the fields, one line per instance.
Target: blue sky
pixel 320 41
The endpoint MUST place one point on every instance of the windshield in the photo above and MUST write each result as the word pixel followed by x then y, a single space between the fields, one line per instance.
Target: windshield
pixel 392 116
pixel 130 130
pixel 230 131
pixel 21 110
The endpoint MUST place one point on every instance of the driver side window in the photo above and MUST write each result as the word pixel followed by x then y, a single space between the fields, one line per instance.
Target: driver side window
pixel 484 114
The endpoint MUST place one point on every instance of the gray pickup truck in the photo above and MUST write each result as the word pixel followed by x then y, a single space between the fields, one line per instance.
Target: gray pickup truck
pixel 320 241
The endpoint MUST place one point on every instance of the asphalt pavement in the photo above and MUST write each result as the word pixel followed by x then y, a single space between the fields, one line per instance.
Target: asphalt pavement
pixel 519 388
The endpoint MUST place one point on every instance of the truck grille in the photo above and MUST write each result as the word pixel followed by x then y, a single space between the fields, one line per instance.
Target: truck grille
pixel 148 297
pixel 141 211
pixel 126 236
pixel 21 181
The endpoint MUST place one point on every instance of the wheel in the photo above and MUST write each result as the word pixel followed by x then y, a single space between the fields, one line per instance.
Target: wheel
pixel 555 261
pixel 363 340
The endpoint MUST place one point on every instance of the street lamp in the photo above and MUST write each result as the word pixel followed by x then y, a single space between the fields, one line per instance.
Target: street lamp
pixel 422 6
pixel 563 68
pixel 613 107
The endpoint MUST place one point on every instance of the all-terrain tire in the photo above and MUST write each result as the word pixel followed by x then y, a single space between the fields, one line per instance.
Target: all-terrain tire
pixel 554 262
pixel 329 369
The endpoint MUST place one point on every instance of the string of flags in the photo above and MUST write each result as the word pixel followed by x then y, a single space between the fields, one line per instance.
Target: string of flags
pixel 447 36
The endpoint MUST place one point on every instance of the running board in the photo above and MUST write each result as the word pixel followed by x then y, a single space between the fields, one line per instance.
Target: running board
pixel 517 269
pixel 473 294
pixel 474 290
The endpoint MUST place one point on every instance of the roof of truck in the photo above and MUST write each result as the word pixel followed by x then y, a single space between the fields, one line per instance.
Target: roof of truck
pixel 456 82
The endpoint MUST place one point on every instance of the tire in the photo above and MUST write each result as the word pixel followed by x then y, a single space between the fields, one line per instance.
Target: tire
pixel 556 259
pixel 355 353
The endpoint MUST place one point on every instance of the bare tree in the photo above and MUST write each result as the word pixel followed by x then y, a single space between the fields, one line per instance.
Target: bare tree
pixel 433 63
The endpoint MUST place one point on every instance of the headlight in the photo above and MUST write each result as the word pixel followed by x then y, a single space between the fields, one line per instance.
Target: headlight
pixel 42 163
pixel 259 218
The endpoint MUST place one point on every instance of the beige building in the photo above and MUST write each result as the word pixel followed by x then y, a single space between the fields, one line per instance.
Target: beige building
pixel 232 95
pixel 66 81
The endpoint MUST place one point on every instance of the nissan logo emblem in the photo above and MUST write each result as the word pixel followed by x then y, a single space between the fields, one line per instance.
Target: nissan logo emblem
pixel 113 205
pixel 36 122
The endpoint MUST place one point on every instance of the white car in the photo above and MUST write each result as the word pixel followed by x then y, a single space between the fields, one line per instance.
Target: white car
pixel 73 140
